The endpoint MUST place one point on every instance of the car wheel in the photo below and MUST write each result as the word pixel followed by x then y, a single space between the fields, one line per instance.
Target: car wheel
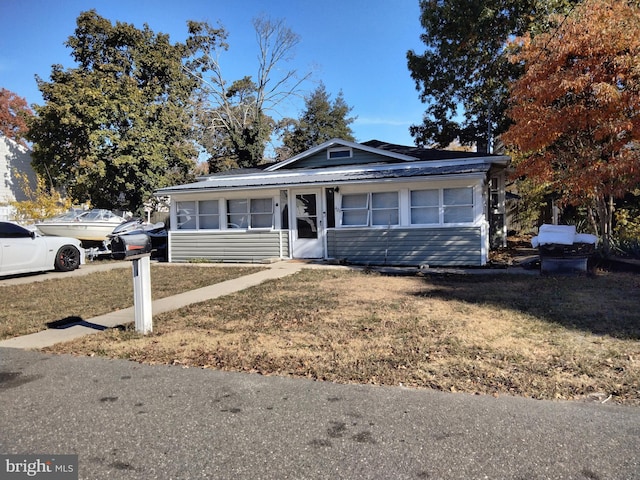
pixel 67 258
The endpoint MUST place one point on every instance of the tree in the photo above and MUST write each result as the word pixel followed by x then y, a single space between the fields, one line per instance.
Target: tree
pixel 42 202
pixel 322 120
pixel 235 119
pixel 464 73
pixel 118 126
pixel 14 113
pixel 576 109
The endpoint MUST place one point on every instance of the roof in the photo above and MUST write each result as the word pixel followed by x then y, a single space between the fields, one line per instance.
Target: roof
pixel 424 153
pixel 403 162
pixel 323 177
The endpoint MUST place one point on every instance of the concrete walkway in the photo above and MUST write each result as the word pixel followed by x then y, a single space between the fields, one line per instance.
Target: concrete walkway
pixel 97 324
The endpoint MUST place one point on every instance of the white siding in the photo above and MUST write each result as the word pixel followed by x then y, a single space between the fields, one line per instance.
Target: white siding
pixel 13 157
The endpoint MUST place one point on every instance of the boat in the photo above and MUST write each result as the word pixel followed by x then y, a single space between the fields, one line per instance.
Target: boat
pixel 89 226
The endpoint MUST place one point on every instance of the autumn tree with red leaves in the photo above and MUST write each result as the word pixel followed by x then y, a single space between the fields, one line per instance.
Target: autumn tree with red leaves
pixel 14 112
pixel 576 109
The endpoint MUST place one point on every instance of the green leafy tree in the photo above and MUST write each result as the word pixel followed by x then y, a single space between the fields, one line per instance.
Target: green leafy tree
pixel 464 73
pixel 118 126
pixel 321 120
pixel 14 114
pixel 236 118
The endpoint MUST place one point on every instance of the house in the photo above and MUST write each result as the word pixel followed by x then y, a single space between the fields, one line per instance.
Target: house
pixel 14 158
pixel 370 203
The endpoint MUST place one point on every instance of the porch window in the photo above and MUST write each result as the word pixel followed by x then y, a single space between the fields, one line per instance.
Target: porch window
pixel 355 210
pixel 370 209
pixel 208 215
pixel 186 215
pixel 284 210
pixel 457 205
pixel 250 213
pixel 384 208
pixel 201 214
pixel 261 212
pixel 425 207
pixel 441 206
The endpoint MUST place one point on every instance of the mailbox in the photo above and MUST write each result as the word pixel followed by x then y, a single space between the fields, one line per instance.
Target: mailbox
pixel 132 235
pixel 130 246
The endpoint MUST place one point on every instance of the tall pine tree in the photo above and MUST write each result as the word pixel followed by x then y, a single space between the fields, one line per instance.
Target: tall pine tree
pixel 321 120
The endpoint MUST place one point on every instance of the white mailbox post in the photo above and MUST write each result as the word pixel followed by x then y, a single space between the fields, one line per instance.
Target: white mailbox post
pixel 142 293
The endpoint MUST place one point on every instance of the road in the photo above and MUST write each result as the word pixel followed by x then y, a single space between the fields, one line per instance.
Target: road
pixel 130 421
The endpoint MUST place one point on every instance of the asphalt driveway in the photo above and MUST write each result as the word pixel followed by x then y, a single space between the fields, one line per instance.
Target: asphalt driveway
pixel 130 421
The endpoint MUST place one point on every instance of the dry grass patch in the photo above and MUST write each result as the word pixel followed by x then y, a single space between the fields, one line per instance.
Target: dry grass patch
pixel 29 307
pixel 539 337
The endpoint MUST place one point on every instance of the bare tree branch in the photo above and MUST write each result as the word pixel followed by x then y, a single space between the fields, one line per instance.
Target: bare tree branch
pixel 236 113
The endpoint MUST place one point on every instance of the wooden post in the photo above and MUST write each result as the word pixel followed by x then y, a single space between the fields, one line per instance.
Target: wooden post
pixel 142 294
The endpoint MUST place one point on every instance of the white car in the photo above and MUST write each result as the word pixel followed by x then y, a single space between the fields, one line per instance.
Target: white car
pixel 26 251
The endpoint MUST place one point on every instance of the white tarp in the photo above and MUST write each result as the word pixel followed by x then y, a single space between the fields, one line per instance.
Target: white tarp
pixel 561 235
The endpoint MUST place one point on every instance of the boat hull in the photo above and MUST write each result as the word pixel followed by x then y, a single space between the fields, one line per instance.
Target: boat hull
pixel 89 226
pixel 95 232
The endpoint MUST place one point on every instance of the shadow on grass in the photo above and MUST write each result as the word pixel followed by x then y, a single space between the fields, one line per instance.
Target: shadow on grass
pixel 69 322
pixel 604 304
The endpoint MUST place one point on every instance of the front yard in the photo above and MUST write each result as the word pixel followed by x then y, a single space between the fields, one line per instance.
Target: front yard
pixel 29 307
pixel 541 337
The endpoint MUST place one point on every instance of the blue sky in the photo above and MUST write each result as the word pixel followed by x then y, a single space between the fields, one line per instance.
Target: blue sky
pixel 357 46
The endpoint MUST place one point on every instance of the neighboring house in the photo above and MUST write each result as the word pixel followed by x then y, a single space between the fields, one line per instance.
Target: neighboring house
pixel 368 203
pixel 13 158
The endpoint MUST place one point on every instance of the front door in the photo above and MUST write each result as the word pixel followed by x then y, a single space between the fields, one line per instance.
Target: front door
pixel 307 232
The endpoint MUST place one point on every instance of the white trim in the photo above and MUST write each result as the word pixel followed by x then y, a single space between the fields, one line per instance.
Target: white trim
pixel 304 175
pixel 484 243
pixel 320 221
pixel 325 221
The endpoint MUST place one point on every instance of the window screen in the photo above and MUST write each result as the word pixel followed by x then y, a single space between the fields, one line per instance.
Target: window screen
pixel 250 213
pixel 355 209
pixel 457 205
pixel 208 215
pixel 425 207
pixel 384 208
pixel 186 213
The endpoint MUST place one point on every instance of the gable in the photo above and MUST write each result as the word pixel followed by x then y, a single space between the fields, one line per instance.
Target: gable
pixel 320 156
pixel 342 153
pixel 324 158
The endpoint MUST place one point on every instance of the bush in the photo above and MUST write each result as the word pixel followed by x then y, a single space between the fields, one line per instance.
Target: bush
pixel 626 233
